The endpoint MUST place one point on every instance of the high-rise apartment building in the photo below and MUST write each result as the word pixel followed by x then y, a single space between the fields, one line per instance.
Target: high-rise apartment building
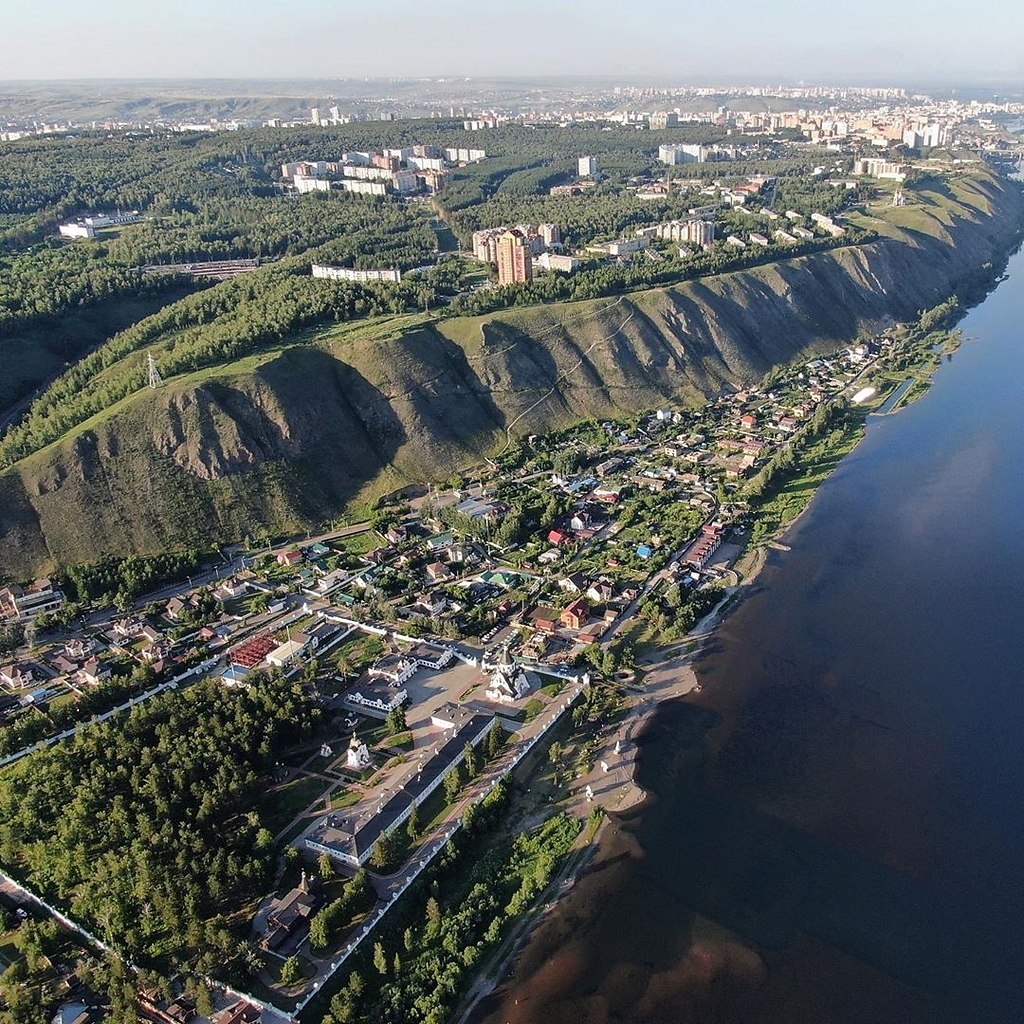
pixel 550 234
pixel 515 264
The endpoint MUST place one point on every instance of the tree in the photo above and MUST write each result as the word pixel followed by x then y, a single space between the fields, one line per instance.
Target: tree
pixel 471 760
pixel 291 971
pixel 380 960
pixel 395 722
pixel 495 739
pixel 452 785
pixel 555 755
pixel 433 918
pixel 325 867
pixel 385 853
pixel 413 825
pixel 204 1000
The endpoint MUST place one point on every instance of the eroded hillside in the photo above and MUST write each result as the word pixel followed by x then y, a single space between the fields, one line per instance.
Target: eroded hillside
pixel 286 439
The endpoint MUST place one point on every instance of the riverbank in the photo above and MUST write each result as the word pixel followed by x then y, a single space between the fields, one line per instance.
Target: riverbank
pixel 668 673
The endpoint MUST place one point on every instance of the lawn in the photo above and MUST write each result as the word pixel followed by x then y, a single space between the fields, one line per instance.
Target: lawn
pixel 284 802
pixel 814 467
pixel 343 798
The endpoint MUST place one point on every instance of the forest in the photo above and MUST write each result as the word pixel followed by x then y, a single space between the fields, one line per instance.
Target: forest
pixel 148 827
pixel 217 196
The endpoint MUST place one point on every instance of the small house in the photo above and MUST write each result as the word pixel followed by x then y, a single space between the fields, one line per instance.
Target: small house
pixel 576 614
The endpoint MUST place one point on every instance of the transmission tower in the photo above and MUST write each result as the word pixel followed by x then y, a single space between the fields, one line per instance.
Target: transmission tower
pixel 155 380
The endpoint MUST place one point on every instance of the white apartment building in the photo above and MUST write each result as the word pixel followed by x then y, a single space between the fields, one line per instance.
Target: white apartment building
pixel 683 153
pixel 392 276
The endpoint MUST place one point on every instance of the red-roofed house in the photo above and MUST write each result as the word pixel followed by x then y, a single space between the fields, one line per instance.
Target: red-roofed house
pixel 577 614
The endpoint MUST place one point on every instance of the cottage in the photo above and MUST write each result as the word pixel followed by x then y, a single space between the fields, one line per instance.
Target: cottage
pixel 438 571
pixel 238 1013
pixel 286 558
pixel 544 619
pixel 286 916
pixel 576 614
pixel 558 538
pixel 574 584
pixel 94 671
pixel 17 676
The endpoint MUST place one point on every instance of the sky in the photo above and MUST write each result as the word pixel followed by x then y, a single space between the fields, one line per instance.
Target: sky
pixel 792 40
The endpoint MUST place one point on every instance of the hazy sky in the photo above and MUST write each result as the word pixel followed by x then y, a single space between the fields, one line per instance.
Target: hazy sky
pixel 893 39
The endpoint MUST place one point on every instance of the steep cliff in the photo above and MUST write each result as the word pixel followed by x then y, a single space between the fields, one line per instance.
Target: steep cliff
pixel 287 439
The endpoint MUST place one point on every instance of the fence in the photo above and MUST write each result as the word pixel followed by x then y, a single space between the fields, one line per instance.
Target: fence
pixel 171 684
pixel 435 848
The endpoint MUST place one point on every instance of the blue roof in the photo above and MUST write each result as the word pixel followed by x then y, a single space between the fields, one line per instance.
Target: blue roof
pixel 643 551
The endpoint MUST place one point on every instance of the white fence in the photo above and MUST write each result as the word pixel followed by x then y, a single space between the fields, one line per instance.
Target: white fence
pixel 427 856
pixel 171 684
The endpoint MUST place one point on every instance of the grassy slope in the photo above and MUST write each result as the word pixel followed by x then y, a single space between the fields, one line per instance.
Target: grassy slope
pixel 31 355
pixel 286 437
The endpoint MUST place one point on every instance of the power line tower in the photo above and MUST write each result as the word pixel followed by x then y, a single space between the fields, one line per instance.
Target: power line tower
pixel 153 374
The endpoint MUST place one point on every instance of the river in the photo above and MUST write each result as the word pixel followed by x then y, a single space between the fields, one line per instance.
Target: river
pixel 835 831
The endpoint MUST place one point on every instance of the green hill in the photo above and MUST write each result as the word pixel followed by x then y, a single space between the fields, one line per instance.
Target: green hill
pixel 285 438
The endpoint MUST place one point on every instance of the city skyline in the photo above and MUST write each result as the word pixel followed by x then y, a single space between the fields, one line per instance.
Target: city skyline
pixel 654 39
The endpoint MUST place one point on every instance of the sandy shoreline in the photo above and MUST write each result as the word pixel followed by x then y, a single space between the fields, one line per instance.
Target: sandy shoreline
pixel 667 675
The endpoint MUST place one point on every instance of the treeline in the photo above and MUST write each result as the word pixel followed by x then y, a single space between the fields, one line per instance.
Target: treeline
pixel 123 579
pixel 615 278
pixel 213 327
pixel 51 279
pixel 148 829
pixel 786 458
pixel 352 226
pixel 423 960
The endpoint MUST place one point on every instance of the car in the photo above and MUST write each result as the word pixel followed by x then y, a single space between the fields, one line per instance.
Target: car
pixel 22 913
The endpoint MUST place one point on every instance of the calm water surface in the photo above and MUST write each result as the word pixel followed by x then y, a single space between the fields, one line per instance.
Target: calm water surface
pixel 836 827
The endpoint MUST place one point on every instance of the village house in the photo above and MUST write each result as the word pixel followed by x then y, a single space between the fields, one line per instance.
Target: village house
pixel 580 521
pixel 241 1012
pixel 432 604
pixel 17 677
pixel 545 619
pixel 292 913
pixel 396 534
pixel 438 571
pixel 576 614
